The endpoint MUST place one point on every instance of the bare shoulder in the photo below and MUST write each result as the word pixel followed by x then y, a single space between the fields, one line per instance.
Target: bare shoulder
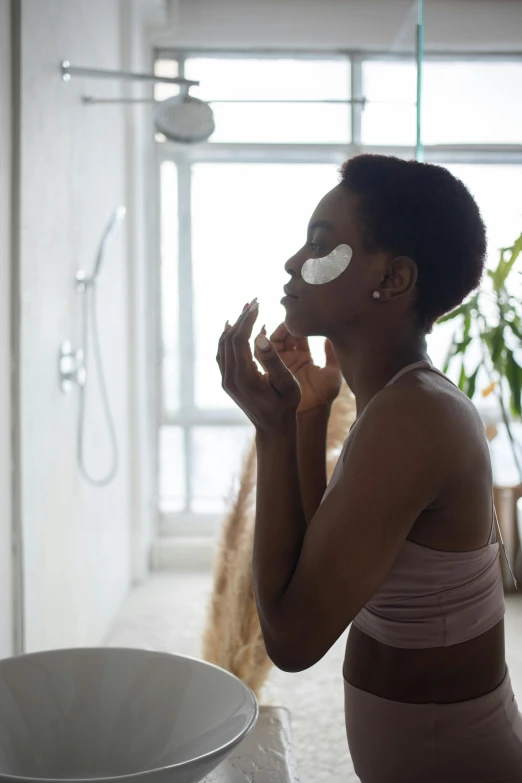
pixel 426 410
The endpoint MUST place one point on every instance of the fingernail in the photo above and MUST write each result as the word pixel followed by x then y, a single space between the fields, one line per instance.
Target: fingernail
pixel 263 330
pixel 246 307
pixel 226 325
pixel 253 306
pixel 262 342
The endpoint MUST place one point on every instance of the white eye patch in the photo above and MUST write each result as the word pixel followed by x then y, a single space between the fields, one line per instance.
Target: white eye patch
pixel 317 271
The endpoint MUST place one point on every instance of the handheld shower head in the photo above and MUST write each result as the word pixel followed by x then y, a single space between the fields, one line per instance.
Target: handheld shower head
pixel 117 217
pixel 87 287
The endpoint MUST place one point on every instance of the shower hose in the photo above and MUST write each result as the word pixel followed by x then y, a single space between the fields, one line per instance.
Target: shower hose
pixel 89 307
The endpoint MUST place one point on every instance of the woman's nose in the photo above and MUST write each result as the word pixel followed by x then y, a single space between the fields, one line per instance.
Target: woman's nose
pixel 292 265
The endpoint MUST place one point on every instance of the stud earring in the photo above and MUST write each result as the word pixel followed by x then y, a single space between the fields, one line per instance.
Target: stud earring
pixel 376 294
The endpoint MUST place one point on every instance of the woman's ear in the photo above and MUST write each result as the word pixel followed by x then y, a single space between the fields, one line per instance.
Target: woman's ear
pixel 400 278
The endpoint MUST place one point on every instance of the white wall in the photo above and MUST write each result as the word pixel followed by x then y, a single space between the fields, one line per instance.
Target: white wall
pixel 6 593
pixel 78 540
pixel 346 24
pixel 137 56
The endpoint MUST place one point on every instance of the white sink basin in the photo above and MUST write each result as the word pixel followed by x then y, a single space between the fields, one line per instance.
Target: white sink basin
pixel 114 713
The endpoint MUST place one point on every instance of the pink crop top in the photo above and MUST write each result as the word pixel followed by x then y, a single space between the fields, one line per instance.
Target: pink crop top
pixel 434 598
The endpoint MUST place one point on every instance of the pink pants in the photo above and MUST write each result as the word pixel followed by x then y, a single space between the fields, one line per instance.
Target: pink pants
pixel 475 741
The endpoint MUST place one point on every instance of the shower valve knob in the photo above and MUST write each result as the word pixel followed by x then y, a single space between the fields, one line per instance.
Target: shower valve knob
pixel 71 367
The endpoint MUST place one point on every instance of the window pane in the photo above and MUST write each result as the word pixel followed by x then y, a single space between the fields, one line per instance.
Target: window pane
pixel 472 103
pixel 390 88
pixel 462 102
pixel 282 123
pixel 165 68
pixel 169 285
pixel 247 220
pixel 171 469
pixel 218 455
pixel 497 191
pixel 269 79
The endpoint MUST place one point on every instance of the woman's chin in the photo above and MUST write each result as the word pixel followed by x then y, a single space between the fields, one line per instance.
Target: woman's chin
pixel 296 327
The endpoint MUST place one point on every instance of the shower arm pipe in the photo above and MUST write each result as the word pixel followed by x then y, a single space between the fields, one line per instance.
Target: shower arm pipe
pixel 69 70
pixel 363 101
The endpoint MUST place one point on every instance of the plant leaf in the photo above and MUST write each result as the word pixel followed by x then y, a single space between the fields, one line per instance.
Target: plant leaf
pixel 449 355
pixel 467 324
pixel 463 379
pixel 515 328
pixel 495 341
pixel 472 382
pixel 460 310
pixel 516 249
pixel 513 373
pixel 505 265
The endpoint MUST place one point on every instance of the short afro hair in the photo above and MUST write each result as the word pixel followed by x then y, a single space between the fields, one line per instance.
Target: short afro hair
pixel 422 211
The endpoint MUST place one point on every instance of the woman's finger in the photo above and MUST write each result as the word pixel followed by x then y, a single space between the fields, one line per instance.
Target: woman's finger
pixel 279 334
pixel 246 368
pixel 284 341
pixel 220 356
pixel 331 358
pixel 229 360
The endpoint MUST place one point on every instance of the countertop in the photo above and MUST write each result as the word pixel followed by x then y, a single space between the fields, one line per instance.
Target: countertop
pixel 265 756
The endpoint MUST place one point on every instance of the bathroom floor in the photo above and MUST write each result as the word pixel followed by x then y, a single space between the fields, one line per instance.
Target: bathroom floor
pixel 168 613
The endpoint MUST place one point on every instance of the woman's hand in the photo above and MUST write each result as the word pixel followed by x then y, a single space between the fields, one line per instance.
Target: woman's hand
pixel 319 385
pixel 269 400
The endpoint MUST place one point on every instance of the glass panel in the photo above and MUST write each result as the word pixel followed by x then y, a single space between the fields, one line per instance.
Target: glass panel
pixel 282 123
pixel 218 457
pixel 389 117
pixel 165 68
pixel 171 469
pixel 269 79
pixel 463 102
pixel 472 103
pixel 496 188
pixel 169 285
pixel 244 228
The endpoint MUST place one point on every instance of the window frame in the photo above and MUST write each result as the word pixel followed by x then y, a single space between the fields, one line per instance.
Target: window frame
pixel 188 416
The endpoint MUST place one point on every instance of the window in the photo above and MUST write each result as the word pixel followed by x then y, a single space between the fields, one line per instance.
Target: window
pixel 267 101
pixel 462 102
pixel 169 285
pixel 472 103
pixel 234 209
pixel 389 116
pixel 498 192
pixel 263 101
pixel 243 230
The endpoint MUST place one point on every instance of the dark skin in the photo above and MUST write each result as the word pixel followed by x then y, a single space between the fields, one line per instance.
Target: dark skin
pixel 416 467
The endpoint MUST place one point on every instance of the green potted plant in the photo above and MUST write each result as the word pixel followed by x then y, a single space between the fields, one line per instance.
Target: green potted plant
pixel 488 337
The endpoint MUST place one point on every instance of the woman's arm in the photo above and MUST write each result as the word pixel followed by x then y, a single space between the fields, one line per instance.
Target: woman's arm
pixel 280 525
pixel 312 429
pixel 312 581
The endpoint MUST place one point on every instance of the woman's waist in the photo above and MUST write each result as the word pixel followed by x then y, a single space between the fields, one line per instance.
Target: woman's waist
pixel 433 674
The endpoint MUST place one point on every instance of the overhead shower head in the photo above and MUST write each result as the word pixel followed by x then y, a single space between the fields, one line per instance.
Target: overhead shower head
pixel 181 118
pixel 184 119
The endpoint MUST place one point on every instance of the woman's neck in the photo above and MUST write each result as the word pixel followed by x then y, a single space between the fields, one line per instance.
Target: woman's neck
pixel 367 364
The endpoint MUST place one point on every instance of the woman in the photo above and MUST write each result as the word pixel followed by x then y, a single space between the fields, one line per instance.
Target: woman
pixel 402 545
